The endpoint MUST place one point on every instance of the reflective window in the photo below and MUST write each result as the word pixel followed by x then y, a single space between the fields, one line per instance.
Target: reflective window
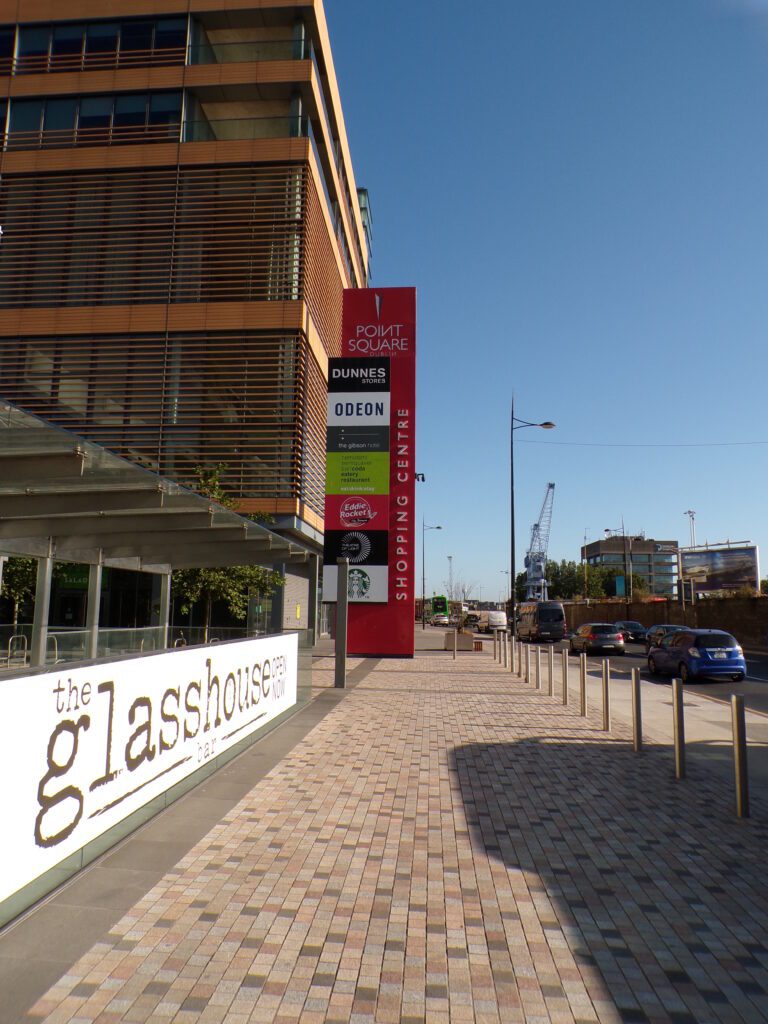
pixel 7 40
pixel 26 115
pixel 170 33
pixel 136 35
pixel 60 115
pixel 165 108
pixel 67 40
pixel 95 112
pixel 130 110
pixel 101 38
pixel 33 40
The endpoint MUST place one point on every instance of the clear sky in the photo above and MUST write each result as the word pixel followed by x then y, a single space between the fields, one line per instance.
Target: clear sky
pixel 578 189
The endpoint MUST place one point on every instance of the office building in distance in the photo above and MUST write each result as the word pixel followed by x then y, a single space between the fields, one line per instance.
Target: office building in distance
pixel 654 561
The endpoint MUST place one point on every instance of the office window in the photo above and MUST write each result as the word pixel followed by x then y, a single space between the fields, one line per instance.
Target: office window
pixel 34 42
pixel 165 108
pixel 60 115
pixel 170 33
pixel 26 115
pixel 130 110
pixel 67 41
pixel 7 41
pixel 95 113
pixel 101 40
pixel 136 36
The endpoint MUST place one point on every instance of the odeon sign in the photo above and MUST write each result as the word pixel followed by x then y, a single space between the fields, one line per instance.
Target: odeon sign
pixel 91 745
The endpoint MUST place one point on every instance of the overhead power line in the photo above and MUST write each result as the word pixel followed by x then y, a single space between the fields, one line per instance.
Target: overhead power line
pixel 631 444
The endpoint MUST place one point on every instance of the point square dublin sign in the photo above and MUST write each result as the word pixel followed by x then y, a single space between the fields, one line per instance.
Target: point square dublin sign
pixel 369 508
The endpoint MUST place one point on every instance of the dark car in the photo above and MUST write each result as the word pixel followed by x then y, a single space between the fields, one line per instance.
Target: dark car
pixel 634 631
pixel 692 654
pixel 654 634
pixel 597 636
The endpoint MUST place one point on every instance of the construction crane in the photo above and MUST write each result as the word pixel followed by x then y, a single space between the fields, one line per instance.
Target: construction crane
pixel 536 558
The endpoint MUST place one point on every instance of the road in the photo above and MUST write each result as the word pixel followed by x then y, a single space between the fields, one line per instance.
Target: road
pixel 754 688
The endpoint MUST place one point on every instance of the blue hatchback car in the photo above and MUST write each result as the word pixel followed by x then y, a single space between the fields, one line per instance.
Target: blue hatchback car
pixel 698 654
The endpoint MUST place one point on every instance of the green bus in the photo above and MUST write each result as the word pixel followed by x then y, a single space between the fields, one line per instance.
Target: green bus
pixel 440 606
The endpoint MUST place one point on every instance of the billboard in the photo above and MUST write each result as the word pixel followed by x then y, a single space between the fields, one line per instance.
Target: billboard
pixel 87 746
pixel 370 474
pixel 713 569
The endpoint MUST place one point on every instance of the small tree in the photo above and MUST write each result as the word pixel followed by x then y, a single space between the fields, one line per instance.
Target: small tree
pixel 19 582
pixel 230 584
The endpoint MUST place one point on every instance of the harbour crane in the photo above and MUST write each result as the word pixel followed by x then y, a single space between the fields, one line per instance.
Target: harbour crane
pixel 536 558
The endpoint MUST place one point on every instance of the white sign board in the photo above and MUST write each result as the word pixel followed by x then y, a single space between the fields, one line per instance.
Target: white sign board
pixel 82 748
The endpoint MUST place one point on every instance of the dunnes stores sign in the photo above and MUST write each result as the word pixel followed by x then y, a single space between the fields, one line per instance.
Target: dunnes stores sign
pixel 91 745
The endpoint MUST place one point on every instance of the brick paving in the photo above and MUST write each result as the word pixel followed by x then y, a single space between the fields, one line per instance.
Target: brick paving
pixel 449 845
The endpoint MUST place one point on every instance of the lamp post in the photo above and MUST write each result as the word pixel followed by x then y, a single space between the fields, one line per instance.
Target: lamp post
pixel 506 573
pixel 515 424
pixel 424 529
pixel 692 517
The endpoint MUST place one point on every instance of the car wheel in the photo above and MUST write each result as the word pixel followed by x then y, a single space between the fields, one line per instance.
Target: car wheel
pixel 685 675
pixel 737 677
pixel 652 666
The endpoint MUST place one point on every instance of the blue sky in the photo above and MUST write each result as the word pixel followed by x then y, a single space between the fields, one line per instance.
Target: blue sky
pixel 578 189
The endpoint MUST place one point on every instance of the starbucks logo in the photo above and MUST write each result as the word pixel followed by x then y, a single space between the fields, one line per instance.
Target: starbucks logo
pixel 355 546
pixel 358 584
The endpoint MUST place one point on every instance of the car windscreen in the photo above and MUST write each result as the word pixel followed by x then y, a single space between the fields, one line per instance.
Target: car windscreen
pixel 602 627
pixel 631 625
pixel 714 640
pixel 551 615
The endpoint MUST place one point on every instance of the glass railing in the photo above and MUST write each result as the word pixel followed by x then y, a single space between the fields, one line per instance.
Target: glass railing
pixel 114 135
pixel 249 50
pixel 220 130
pixel 114 642
pixel 244 128
pixel 36 64
pixel 243 51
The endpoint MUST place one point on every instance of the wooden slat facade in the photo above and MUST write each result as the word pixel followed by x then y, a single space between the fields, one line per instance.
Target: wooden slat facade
pixel 177 301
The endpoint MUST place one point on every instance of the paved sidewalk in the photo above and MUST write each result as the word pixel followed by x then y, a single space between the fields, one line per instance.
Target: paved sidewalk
pixel 447 844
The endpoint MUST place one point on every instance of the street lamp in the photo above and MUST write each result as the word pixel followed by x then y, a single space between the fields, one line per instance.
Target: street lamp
pixel 516 424
pixel 506 573
pixel 692 517
pixel 424 529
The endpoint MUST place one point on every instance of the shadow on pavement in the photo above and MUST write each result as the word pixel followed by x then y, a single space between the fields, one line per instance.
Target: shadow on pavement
pixel 657 888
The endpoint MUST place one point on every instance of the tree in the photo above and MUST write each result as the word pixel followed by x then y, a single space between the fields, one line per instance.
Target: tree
pixel 19 582
pixel 229 584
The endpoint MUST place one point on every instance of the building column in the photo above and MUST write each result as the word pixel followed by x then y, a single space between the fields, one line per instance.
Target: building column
pixel 42 608
pixel 165 607
pixel 93 608
pixel 313 606
pixel 278 605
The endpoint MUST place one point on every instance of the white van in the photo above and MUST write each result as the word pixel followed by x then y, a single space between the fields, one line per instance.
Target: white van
pixel 487 622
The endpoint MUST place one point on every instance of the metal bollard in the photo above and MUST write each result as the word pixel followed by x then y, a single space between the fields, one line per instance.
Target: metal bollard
pixel 528 664
pixel 495 644
pixel 504 640
pixel 583 684
pixel 551 670
pixel 564 656
pixel 538 668
pixel 637 717
pixel 512 652
pixel 455 642
pixel 606 695
pixel 740 755
pixel 519 645
pixel 679 728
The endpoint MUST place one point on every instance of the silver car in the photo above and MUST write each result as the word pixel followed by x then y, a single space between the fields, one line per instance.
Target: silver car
pixel 597 637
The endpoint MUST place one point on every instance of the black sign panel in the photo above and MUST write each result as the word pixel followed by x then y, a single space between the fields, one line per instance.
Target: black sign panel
pixel 358 373
pixel 361 547
pixel 357 439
